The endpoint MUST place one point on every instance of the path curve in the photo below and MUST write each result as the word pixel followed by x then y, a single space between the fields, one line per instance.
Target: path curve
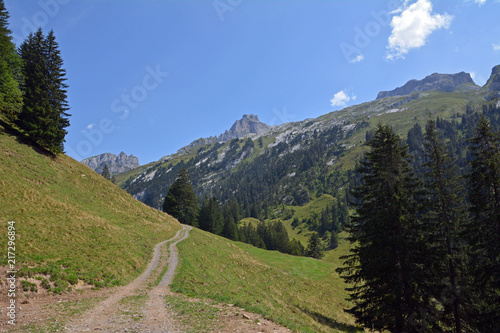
pixel 103 315
pixel 158 319
pixel 173 258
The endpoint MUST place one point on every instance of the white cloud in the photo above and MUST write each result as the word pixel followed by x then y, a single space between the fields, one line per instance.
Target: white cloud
pixel 411 28
pixel 357 59
pixel 496 47
pixel 480 2
pixel 341 99
pixel 90 126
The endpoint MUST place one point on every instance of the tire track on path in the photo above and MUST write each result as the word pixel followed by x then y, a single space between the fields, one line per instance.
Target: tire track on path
pixel 104 316
pixel 157 316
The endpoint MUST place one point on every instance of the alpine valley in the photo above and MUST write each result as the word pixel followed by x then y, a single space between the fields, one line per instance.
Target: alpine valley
pixel 267 167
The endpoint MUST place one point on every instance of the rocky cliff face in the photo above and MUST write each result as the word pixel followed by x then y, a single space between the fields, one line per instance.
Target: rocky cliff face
pixel 434 82
pixel 116 164
pixel 249 124
pixel 493 83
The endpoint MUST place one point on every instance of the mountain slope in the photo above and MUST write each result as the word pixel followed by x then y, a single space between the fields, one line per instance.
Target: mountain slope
pixel 304 294
pixel 71 224
pixel 294 163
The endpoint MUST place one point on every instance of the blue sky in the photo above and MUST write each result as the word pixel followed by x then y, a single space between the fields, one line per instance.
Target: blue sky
pixel 148 77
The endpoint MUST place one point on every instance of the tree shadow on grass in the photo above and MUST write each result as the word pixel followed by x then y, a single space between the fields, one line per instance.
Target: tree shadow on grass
pixel 331 323
pixel 24 139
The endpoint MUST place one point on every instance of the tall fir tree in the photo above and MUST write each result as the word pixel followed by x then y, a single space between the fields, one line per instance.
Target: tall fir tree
pixel 211 218
pixel 483 233
pixel 385 265
pixel 315 247
pixel 58 90
pixel 105 172
pixel 44 114
pixel 444 217
pixel 230 230
pixel 181 201
pixel 11 100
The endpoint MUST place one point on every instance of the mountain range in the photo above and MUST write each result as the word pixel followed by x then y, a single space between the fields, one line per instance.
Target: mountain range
pixel 116 164
pixel 296 162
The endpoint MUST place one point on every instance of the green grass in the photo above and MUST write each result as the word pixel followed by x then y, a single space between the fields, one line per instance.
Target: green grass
pixel 249 220
pixel 71 223
pixel 304 294
pixel 197 316
pixel 315 206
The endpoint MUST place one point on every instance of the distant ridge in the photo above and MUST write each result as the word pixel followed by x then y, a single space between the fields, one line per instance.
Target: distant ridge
pixel 434 82
pixel 116 164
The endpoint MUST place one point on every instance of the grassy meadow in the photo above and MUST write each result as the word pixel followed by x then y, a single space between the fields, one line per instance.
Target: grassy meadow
pixel 301 293
pixel 72 224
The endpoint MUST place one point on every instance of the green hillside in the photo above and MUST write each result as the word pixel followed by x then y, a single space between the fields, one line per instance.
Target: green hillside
pixel 294 162
pixel 71 223
pixel 304 294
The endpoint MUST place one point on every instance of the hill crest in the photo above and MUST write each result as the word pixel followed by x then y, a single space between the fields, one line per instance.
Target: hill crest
pixel 434 82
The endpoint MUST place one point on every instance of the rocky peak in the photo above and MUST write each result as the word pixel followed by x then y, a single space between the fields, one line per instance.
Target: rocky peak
pixel 493 83
pixel 434 82
pixel 116 164
pixel 249 124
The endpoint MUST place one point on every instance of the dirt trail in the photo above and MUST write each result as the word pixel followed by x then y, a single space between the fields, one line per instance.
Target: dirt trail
pixel 104 316
pixel 156 316
pixel 137 307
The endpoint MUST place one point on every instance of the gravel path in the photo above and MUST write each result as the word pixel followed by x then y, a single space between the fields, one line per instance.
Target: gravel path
pixel 105 316
pixel 139 307
pixel 157 319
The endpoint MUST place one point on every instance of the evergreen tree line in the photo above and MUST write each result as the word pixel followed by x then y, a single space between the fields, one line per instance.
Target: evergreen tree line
pixel 182 203
pixel 426 235
pixel 33 93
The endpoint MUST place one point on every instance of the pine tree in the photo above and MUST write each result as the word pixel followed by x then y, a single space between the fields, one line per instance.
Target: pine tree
pixel 58 90
pixel 444 218
pixel 414 141
pixel 43 117
pixel 180 201
pixel 105 172
pixel 230 230
pixel 211 218
pixel 484 232
pixel 296 248
pixel 384 267
pixel 315 247
pixel 11 99
pixel 334 240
